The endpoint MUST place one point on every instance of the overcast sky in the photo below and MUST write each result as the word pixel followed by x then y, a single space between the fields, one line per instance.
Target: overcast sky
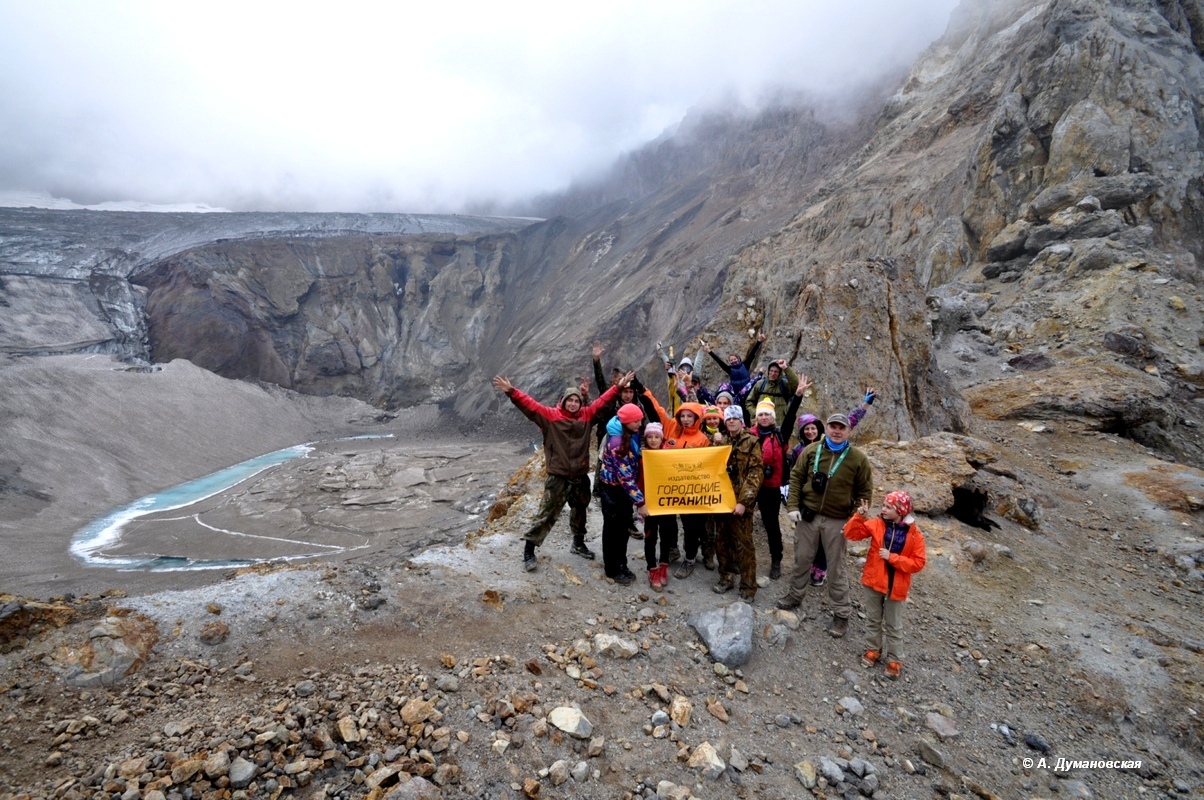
pixel 410 106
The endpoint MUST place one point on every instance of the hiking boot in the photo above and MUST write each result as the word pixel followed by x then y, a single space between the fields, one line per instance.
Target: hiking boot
pixel 579 548
pixel 654 580
pixel 529 557
pixel 870 658
pixel 625 577
pixel 840 626
pixel 894 669
pixel 674 555
pixel 664 574
pixel 635 533
pixel 818 576
pixel 748 595
pixel 788 603
pixel 709 562
pixel 685 570
pixel 775 570
pixel 725 585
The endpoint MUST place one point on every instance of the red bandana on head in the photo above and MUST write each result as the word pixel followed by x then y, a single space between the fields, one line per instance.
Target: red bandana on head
pixel 900 502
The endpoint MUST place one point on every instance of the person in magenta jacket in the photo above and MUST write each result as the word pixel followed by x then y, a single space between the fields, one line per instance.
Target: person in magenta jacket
pixel 896 553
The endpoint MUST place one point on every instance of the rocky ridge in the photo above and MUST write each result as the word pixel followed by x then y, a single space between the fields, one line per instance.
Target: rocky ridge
pixel 358 680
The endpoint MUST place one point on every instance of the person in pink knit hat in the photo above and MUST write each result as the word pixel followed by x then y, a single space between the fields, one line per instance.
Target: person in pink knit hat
pixel 896 553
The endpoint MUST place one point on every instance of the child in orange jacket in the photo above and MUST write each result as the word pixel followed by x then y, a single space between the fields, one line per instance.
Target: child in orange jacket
pixel 896 553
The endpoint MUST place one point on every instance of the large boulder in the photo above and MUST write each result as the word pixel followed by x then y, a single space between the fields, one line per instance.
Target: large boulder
pixel 928 469
pixel 1095 393
pixel 727 632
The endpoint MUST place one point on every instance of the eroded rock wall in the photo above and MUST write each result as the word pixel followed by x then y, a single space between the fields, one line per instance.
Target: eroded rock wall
pixel 394 320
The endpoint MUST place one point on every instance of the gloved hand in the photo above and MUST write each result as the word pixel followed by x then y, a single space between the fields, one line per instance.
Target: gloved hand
pixel 795 516
pixel 870 394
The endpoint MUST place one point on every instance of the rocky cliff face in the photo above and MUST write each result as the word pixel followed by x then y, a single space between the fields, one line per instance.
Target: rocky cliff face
pixel 64 275
pixel 395 320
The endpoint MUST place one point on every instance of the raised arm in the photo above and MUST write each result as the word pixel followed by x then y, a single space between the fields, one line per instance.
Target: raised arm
pixel 754 350
pixel 858 413
pixel 531 408
pixel 792 407
pixel 599 376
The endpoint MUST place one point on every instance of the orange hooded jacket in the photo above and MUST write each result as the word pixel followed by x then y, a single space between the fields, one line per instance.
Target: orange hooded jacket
pixel 906 563
pixel 681 436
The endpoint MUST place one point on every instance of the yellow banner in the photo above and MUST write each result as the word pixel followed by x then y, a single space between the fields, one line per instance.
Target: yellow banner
pixel 691 481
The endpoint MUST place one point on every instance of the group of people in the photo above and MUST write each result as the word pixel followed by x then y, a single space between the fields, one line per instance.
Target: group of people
pixel 825 482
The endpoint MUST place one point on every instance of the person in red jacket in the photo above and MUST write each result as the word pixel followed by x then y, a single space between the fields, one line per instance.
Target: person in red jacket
pixel 566 447
pixel 896 553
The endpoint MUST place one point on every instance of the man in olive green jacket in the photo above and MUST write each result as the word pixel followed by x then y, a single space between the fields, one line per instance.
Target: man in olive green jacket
pixel 830 480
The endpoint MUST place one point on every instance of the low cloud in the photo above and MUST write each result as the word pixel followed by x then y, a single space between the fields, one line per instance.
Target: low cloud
pixel 397 108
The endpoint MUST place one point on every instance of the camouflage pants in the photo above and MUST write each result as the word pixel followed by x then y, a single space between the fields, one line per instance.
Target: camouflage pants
pixel 558 490
pixel 735 548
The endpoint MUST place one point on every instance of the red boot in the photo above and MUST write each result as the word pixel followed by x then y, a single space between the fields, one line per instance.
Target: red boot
pixel 663 569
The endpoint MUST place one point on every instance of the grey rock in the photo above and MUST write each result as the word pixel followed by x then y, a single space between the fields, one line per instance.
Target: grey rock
pixel 178 727
pixel 580 772
pixel 737 760
pixel 727 632
pixel 706 762
pixel 558 773
pixel 241 772
pixel 1037 742
pixel 304 688
pixel 943 726
pixel 416 788
pixel 614 646
pixel 831 770
pixel 930 754
pixel 1077 790
pixel 851 704
pixel 448 683
pixel 869 784
pixel 571 721
pixel 216 765
pixel 782 720
pixel 660 718
pixel 667 790
pixel 861 767
pixel 775 635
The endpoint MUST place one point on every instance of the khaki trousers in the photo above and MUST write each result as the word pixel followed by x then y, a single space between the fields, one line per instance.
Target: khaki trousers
pixel 883 616
pixel 807 537
pixel 558 490
pixel 735 548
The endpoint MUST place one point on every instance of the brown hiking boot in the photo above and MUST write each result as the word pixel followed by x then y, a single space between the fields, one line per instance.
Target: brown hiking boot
pixel 726 584
pixel 788 603
pixel 748 595
pixel 579 548
pixel 685 570
pixel 840 626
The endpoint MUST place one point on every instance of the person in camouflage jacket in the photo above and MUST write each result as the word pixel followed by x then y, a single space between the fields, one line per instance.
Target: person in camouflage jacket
pixel 734 532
